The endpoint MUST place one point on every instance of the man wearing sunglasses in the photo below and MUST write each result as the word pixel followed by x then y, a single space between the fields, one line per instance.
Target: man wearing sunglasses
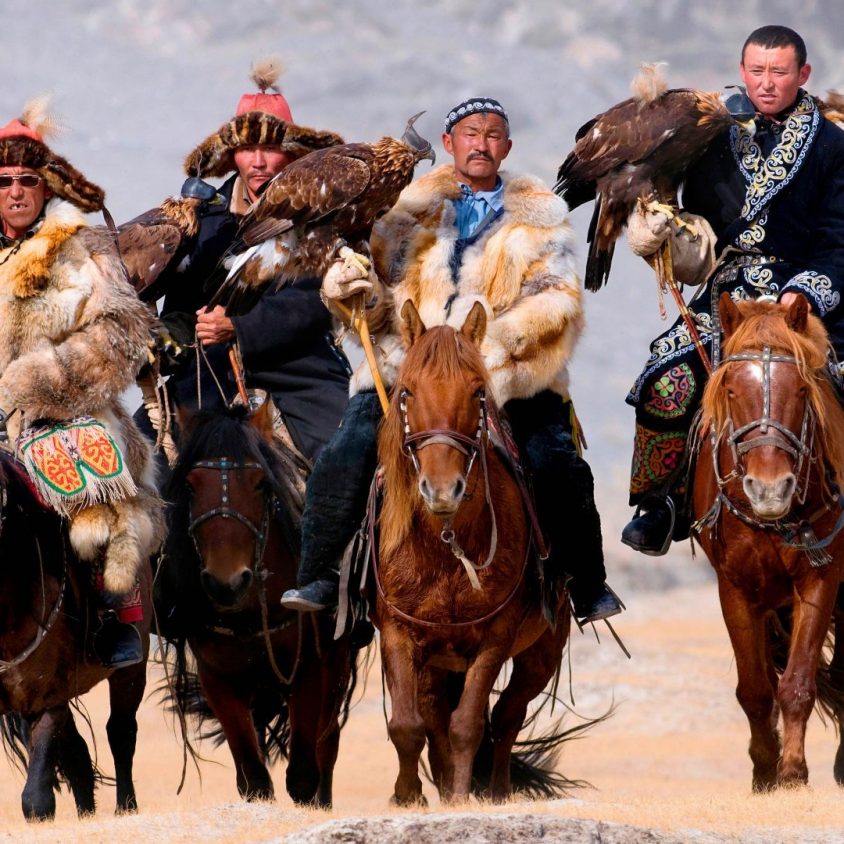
pixel 72 337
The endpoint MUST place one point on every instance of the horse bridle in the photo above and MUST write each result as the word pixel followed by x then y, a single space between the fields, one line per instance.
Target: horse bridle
pixel 798 534
pixel 798 447
pixel 224 465
pixel 470 447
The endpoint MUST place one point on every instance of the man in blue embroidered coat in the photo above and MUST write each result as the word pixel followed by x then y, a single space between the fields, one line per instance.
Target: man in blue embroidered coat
pixel 465 233
pixel 771 207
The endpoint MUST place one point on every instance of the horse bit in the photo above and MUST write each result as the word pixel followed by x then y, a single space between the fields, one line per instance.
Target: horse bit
pixel 796 534
pixel 470 447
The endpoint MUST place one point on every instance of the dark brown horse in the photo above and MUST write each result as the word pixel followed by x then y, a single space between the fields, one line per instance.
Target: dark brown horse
pixel 47 613
pixel 770 513
pixel 275 681
pixel 457 588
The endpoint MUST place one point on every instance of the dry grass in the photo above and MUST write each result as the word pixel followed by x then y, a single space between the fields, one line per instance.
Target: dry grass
pixel 672 757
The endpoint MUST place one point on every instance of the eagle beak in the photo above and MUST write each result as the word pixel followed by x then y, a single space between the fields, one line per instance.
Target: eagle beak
pixel 416 142
pixel 749 126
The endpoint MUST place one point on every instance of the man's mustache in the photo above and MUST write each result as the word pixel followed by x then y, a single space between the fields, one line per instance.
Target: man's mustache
pixel 483 155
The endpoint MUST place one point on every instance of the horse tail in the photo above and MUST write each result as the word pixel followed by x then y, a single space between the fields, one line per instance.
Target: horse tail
pixel 14 735
pixel 829 678
pixel 533 762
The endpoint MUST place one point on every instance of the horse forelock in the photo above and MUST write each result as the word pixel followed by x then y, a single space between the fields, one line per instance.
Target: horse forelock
pixel 439 356
pixel 764 324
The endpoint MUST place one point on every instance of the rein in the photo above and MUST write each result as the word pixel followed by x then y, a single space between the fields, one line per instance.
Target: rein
pixel 224 465
pixel 795 533
pixel 45 627
pixel 470 447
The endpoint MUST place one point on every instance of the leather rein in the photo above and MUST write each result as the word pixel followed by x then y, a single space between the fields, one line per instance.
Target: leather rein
pixel 44 627
pixel 260 534
pixel 796 533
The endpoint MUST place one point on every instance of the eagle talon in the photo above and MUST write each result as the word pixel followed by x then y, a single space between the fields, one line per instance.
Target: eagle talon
pixel 657 207
pixel 355 259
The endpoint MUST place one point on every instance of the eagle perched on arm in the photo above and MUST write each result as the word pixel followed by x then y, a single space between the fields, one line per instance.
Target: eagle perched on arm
pixel 639 150
pixel 319 204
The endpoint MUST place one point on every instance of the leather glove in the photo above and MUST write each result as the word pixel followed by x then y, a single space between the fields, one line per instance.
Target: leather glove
pixel 692 245
pixel 647 230
pixel 351 273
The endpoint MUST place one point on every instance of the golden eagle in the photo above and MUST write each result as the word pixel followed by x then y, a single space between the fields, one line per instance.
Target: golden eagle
pixel 639 150
pixel 320 203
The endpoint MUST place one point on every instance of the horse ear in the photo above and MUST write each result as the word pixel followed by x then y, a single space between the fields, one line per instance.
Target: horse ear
pixel 184 420
pixel 262 418
pixel 412 327
pixel 797 314
pixel 474 326
pixel 730 314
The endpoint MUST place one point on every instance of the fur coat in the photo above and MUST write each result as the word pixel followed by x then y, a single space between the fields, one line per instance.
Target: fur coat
pixel 521 267
pixel 73 335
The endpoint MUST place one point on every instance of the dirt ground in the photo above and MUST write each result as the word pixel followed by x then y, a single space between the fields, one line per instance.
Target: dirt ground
pixel 672 756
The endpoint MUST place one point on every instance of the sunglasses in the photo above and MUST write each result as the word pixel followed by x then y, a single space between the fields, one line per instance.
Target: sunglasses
pixel 27 180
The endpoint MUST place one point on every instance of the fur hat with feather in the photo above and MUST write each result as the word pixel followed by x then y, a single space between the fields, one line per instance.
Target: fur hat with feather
pixel 22 144
pixel 261 118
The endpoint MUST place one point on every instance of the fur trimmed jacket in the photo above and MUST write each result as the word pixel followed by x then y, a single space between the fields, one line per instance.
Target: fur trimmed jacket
pixel 520 266
pixel 73 335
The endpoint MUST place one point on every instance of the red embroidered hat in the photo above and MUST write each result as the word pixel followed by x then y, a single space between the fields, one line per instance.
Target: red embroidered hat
pixel 22 145
pixel 261 118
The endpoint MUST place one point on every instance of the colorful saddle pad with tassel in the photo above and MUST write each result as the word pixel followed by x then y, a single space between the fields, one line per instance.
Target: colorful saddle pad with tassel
pixel 75 464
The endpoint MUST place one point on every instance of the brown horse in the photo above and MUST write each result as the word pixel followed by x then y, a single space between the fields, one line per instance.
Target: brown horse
pixel 457 590
pixel 47 613
pixel 275 681
pixel 769 508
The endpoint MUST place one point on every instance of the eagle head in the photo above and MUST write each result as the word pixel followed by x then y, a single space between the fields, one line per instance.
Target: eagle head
pixel 416 142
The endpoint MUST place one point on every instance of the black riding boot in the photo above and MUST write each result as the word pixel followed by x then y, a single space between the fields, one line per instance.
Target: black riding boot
pixel 565 501
pixel 335 503
pixel 118 644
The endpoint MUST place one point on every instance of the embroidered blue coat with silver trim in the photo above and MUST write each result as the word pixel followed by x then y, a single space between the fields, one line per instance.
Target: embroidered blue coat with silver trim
pixel 780 195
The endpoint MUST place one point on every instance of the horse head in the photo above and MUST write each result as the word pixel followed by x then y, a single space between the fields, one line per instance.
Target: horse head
pixel 765 402
pixel 441 399
pixel 229 482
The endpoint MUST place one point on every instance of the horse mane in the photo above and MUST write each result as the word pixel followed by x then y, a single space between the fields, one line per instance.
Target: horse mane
pixel 439 354
pixel 764 324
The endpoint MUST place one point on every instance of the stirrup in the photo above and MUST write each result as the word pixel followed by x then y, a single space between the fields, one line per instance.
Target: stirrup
pixel 668 501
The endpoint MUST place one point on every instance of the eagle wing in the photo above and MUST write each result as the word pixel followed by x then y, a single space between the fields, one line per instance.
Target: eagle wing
pixel 304 195
pixel 626 152
pixel 311 188
pixel 154 241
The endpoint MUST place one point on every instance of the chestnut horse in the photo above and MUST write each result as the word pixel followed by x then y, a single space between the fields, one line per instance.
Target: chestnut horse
pixel 47 614
pixel 767 498
pixel 275 681
pixel 457 590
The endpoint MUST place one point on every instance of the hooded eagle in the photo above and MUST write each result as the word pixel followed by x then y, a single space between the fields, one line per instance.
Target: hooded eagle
pixel 324 201
pixel 639 150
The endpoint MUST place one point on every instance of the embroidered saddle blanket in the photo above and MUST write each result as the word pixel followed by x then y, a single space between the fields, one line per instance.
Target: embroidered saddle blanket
pixel 75 464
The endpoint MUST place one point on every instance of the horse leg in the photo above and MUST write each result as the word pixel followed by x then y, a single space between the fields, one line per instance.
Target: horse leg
pixel 38 799
pixel 532 669
pixel 75 763
pixel 316 697
pixel 435 708
pixel 797 687
pixel 406 726
pixel 746 627
pixel 466 727
pixel 836 679
pixel 125 692
pixel 232 710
